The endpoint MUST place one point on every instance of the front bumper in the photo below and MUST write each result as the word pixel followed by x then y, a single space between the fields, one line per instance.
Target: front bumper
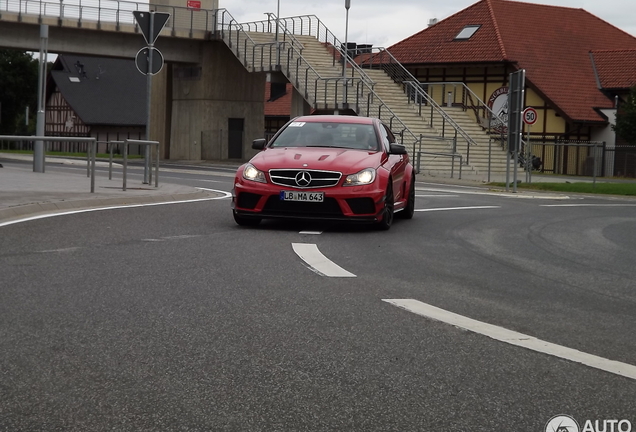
pixel 341 203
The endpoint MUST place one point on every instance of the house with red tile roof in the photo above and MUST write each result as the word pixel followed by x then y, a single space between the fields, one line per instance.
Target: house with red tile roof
pixel 575 63
pixel 278 100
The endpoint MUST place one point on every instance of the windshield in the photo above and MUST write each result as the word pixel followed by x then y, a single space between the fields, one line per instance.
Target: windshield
pixel 318 134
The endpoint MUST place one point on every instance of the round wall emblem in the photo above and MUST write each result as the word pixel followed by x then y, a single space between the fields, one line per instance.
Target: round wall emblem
pixel 498 103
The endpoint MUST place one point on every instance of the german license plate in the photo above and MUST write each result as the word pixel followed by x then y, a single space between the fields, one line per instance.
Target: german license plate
pixel 302 196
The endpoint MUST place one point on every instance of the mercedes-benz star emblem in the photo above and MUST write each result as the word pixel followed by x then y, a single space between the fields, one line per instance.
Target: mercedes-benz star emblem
pixel 303 179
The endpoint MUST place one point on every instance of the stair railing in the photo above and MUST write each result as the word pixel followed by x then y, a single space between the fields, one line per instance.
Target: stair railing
pixel 458 94
pixel 382 59
pixel 319 90
pixel 240 42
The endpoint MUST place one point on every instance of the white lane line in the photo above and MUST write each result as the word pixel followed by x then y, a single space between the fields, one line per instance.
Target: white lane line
pixel 70 212
pixel 588 205
pixel 514 338
pixel 311 232
pixel 319 263
pixel 457 208
pixel 435 196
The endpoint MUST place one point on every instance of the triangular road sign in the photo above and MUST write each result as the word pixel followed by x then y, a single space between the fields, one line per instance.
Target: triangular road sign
pixel 159 21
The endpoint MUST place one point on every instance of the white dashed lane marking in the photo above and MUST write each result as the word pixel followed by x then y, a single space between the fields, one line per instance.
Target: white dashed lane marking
pixel 514 338
pixel 456 208
pixel 319 263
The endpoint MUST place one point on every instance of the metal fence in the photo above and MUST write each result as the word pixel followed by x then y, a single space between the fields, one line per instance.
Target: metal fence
pixel 579 158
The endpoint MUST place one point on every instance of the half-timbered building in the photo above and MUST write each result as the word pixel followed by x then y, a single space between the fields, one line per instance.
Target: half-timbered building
pixel 96 97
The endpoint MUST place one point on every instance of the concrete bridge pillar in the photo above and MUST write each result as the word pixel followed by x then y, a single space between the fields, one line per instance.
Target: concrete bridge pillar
pixel 217 107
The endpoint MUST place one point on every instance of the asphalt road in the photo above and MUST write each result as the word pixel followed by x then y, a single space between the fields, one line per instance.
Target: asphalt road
pixel 173 318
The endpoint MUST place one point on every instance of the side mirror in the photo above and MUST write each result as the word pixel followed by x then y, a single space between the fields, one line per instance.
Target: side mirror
pixel 397 149
pixel 259 144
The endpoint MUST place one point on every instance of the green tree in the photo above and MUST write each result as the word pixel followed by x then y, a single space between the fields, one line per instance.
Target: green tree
pixel 625 126
pixel 18 89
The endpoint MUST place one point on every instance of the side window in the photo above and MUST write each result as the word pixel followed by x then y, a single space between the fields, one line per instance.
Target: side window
pixel 387 137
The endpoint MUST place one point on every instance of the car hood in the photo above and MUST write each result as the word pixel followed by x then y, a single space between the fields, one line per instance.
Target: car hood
pixel 331 159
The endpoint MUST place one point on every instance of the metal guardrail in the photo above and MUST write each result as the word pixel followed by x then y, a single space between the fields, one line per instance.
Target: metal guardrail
pixel 92 150
pixel 118 12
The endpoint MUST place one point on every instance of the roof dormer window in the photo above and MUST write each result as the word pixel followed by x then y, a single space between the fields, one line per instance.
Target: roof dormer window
pixel 467 32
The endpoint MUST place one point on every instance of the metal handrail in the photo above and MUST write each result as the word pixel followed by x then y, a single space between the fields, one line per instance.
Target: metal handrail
pixel 467 93
pixel 383 59
pixel 364 85
pixel 489 121
pixel 91 150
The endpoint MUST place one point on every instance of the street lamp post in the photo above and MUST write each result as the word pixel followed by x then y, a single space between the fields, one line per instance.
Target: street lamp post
pixel 345 51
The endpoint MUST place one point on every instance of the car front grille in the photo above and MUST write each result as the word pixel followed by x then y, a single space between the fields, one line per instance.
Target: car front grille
pixel 304 179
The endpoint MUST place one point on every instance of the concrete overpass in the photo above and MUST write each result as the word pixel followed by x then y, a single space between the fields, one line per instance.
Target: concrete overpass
pixel 203 89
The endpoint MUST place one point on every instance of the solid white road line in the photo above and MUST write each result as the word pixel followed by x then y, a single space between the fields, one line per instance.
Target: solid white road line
pixel 435 196
pixel 318 262
pixel 456 208
pixel 311 232
pixel 514 338
pixel 70 212
pixel 588 205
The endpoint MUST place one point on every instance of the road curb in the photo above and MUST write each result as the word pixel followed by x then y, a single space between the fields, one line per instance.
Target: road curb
pixel 36 209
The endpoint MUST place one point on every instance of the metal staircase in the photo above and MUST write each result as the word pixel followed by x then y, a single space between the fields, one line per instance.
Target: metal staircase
pixel 305 51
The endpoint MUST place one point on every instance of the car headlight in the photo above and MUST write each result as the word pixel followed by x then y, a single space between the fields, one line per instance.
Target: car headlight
pixel 364 177
pixel 251 173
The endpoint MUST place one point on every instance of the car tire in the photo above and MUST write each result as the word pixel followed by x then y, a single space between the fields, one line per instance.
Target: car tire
pixel 246 221
pixel 387 213
pixel 409 210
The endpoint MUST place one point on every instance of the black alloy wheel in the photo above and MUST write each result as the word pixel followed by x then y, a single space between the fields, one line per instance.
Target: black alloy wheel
pixel 409 210
pixel 387 214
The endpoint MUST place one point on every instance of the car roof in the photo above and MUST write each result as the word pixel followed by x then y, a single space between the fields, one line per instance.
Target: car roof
pixel 335 119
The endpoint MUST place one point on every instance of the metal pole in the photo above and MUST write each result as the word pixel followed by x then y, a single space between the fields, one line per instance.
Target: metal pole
pixel 345 52
pixel 148 98
pixel 157 168
pixel 94 153
pixel 125 163
pixel 514 180
pixel 110 162
pixel 38 149
pixel 277 30
pixel 529 159
pixel 508 168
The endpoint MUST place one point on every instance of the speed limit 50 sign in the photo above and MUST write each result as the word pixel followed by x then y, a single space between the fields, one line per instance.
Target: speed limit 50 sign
pixel 530 116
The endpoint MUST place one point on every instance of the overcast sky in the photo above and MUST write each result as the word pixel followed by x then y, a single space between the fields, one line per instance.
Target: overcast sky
pixel 385 22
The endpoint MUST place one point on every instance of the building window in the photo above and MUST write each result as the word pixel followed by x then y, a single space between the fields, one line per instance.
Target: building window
pixel 467 32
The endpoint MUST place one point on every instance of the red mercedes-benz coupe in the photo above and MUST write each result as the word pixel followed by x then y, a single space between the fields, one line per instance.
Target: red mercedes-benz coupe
pixel 341 168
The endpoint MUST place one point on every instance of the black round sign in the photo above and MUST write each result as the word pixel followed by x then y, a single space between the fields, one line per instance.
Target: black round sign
pixel 142 61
